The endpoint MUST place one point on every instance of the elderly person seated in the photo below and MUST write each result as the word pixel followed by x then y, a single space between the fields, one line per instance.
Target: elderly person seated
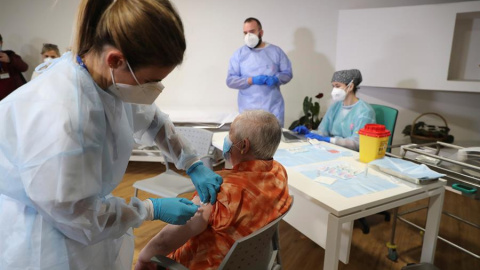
pixel 253 193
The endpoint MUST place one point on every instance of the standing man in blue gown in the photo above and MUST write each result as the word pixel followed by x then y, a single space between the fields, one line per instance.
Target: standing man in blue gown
pixel 257 70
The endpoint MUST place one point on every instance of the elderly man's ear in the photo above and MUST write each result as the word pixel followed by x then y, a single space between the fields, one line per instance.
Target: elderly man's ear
pixel 245 146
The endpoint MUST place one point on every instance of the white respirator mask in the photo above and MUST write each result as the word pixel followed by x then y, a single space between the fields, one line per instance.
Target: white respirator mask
pixel 138 94
pixel 251 40
pixel 339 94
pixel 48 59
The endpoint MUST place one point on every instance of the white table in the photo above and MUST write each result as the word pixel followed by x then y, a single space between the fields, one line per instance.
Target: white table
pixel 318 210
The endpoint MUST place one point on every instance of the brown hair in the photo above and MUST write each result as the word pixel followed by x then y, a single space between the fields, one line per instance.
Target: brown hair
pixel 50 47
pixel 147 32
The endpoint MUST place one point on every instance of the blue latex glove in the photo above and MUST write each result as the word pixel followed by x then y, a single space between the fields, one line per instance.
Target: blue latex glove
pixel 301 129
pixel 260 79
pixel 207 183
pixel 318 137
pixel 272 80
pixel 173 210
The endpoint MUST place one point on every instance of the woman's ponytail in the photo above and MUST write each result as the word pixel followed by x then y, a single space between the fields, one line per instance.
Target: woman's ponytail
pixel 89 15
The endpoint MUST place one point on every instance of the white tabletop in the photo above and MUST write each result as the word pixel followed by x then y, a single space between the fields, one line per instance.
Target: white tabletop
pixel 334 202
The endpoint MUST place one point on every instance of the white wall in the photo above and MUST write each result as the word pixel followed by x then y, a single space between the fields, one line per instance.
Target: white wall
pixel 465 56
pixel 25 25
pixel 305 29
pixel 413 53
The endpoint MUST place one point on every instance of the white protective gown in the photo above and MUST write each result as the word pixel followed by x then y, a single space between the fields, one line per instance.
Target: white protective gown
pixel 64 146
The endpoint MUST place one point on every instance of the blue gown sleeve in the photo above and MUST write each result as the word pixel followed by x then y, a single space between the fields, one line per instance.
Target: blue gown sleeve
pixel 235 79
pixel 325 125
pixel 361 116
pixel 284 74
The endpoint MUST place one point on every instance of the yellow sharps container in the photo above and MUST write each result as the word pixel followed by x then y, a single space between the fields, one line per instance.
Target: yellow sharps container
pixel 373 142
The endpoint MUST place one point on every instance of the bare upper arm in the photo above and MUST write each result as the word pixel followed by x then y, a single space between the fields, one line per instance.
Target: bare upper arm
pixel 171 237
pixel 199 222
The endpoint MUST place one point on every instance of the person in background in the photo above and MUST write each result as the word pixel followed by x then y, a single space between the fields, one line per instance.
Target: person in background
pixel 257 70
pixel 67 136
pixel 346 115
pixel 254 193
pixel 11 68
pixel 48 53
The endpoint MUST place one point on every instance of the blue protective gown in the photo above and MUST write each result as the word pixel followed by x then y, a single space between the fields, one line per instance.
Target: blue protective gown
pixel 345 128
pixel 247 62
pixel 64 146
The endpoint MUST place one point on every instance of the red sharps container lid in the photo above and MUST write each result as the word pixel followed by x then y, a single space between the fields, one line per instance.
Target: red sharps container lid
pixel 374 130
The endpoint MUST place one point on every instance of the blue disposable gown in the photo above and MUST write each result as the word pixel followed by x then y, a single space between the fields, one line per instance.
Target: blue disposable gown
pixel 64 146
pixel 345 128
pixel 270 61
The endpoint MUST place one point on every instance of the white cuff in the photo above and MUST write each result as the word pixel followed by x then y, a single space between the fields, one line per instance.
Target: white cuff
pixel 333 140
pixel 149 207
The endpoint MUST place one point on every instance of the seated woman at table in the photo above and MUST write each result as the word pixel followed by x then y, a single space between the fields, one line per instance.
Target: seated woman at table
pixel 254 193
pixel 347 114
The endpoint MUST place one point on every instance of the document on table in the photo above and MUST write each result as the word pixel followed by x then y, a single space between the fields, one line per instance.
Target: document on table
pixel 346 179
pixel 319 163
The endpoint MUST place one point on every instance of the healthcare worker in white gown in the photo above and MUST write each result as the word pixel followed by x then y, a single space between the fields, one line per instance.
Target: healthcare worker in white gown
pixel 66 138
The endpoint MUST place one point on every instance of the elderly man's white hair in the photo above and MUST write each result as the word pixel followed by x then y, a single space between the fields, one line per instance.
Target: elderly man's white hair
pixel 263 131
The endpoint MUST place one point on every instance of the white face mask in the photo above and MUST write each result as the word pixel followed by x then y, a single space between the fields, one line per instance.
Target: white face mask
pixel 48 59
pixel 139 94
pixel 338 94
pixel 251 40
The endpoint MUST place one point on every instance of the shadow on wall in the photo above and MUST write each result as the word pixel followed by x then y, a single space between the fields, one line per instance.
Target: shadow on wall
pixel 311 73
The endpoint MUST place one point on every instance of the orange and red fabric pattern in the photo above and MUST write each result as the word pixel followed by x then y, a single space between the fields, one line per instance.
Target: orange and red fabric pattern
pixel 253 194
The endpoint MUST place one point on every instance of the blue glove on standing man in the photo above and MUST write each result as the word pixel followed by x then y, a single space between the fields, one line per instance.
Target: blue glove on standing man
pixel 207 183
pixel 259 80
pixel 272 80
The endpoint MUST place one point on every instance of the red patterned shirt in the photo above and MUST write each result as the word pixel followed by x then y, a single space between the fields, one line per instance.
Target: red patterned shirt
pixel 253 193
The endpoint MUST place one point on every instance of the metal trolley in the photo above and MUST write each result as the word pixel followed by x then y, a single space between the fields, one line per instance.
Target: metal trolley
pixel 462 170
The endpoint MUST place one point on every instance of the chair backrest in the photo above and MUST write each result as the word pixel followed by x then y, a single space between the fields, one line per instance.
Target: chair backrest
pixel 256 251
pixel 386 116
pixel 200 139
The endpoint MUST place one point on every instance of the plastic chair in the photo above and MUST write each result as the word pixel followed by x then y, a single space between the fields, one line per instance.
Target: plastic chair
pixel 386 116
pixel 258 251
pixel 170 183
